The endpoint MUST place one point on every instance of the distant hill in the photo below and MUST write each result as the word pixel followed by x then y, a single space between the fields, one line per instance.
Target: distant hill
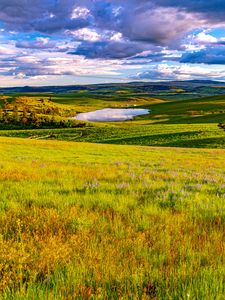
pixel 140 86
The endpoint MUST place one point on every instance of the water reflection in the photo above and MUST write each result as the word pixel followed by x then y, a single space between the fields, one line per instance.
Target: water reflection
pixel 111 114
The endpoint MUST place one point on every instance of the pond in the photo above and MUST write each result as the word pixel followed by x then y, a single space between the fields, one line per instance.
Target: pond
pixel 111 114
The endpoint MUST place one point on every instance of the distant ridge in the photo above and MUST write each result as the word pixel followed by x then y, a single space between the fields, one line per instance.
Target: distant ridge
pixel 205 81
pixel 69 88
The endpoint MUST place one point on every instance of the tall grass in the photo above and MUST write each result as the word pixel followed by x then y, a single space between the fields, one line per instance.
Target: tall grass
pixel 88 221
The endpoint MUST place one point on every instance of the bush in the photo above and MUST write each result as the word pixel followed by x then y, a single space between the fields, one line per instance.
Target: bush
pixel 221 125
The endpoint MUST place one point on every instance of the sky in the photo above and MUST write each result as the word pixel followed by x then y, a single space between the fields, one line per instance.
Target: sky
pixel 67 42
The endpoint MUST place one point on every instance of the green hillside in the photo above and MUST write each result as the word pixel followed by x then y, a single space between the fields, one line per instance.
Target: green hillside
pixel 169 135
pixel 202 110
pixel 187 123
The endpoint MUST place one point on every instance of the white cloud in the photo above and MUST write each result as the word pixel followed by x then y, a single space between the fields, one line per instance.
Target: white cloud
pixel 203 37
pixel 117 36
pixel 181 72
pixel 80 12
pixel 7 49
pixel 86 34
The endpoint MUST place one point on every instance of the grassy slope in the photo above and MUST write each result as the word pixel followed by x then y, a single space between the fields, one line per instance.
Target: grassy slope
pixel 192 111
pixel 85 100
pixel 169 135
pixel 186 123
pixel 202 110
pixel 82 220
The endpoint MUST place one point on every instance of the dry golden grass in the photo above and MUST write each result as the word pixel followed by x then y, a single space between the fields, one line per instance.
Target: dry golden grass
pixel 88 221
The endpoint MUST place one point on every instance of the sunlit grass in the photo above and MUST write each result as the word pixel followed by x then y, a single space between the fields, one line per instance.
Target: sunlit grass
pixel 88 221
pixel 135 133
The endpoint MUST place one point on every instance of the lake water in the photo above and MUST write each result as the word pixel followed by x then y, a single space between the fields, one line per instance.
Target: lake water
pixel 112 114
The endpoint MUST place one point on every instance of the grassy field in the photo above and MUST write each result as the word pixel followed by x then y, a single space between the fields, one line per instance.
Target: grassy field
pixel 136 133
pixel 174 111
pixel 189 123
pixel 92 221
pixel 201 110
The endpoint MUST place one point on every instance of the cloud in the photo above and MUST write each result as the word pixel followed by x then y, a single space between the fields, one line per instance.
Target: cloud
pixel 86 34
pixel 148 25
pixel 213 10
pixel 110 49
pixel 38 43
pixel 179 72
pixel 110 37
pixel 80 12
pixel 44 16
pixel 51 25
pixel 136 21
pixel 93 35
pixel 57 64
pixel 43 44
pixel 137 28
pixel 205 38
pixel 210 56
pixel 7 50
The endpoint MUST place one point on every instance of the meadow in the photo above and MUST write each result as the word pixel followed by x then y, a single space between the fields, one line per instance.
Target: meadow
pixel 189 123
pixel 119 210
pixel 94 221
pixel 168 135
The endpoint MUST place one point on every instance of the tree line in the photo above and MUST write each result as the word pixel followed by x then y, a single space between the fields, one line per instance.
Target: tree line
pixel 13 117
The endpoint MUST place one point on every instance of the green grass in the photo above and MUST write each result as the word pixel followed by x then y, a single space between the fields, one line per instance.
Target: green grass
pixel 169 135
pixel 188 123
pixel 92 221
pixel 202 110
pixel 85 100
pixel 102 221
